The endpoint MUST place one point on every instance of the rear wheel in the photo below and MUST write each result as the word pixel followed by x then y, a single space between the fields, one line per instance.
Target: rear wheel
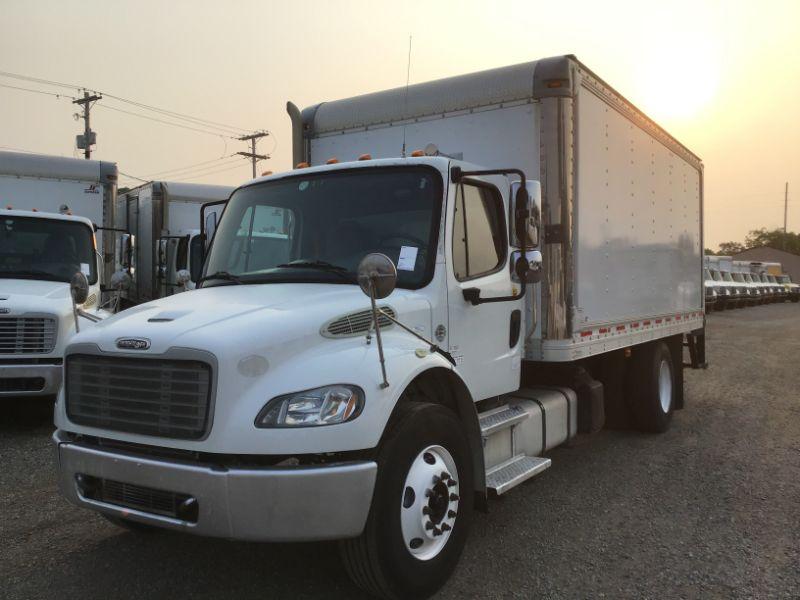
pixel 651 387
pixel 421 508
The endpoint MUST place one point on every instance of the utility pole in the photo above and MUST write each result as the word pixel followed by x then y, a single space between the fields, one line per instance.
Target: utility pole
pixel 89 138
pixel 252 154
pixel 785 206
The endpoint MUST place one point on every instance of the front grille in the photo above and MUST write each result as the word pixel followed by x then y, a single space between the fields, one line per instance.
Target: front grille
pixel 166 398
pixel 27 335
pixel 22 384
pixel 357 323
pixel 137 497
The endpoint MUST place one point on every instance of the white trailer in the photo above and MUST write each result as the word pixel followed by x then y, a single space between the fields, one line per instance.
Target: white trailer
pixel 161 218
pixel 530 246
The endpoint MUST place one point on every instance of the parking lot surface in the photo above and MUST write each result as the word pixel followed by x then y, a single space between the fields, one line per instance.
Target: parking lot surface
pixel 709 509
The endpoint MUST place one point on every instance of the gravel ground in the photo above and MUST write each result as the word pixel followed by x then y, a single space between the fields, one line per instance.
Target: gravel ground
pixel 709 509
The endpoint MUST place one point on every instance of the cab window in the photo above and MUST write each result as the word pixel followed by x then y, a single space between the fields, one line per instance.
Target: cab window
pixel 479 238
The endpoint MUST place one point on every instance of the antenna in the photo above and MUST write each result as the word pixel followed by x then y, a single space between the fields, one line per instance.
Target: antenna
pixel 405 105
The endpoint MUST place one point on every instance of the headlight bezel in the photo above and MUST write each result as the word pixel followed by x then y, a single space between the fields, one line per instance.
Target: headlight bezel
pixel 279 403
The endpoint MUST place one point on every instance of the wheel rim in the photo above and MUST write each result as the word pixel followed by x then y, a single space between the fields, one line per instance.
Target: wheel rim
pixel 429 502
pixel 665 386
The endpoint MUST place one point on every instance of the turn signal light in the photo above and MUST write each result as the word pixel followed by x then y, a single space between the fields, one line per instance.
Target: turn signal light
pixel 332 161
pixel 365 157
pixel 418 153
pixel 301 165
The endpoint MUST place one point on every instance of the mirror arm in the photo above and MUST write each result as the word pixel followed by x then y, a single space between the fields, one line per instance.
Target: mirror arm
pixel 433 347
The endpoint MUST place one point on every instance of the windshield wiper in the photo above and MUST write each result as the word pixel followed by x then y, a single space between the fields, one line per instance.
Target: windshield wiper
pixel 31 274
pixel 223 275
pixel 319 265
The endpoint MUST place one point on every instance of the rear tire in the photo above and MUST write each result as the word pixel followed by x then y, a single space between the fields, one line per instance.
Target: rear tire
pixel 651 387
pixel 396 556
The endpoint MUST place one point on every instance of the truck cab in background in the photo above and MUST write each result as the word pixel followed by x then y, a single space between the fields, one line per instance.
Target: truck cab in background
pixel 40 254
pixel 159 221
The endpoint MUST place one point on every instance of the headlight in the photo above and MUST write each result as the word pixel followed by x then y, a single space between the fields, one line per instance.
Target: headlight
pixel 327 405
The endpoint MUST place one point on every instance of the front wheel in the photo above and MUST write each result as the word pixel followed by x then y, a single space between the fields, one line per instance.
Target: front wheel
pixel 421 509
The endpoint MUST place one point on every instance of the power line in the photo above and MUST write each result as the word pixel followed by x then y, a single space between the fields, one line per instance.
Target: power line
pixel 141 116
pixel 171 113
pixel 205 162
pixel 210 173
pixel 201 170
pixel 133 177
pixel 23 89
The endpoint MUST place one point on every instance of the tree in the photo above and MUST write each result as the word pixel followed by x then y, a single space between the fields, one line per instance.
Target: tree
pixel 728 248
pixel 775 238
pixel 709 252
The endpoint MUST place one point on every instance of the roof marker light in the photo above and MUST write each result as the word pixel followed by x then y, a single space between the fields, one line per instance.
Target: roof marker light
pixel 266 173
pixel 332 161
pixel 34 210
pixel 9 207
pixel 365 157
pixel 301 165
pixel 418 153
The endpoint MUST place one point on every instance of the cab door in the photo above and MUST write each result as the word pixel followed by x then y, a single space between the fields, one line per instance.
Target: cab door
pixel 484 339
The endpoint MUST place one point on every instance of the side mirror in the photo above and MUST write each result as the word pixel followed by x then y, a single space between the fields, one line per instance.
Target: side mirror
pixel 121 281
pixel 79 288
pixel 377 275
pixel 527 266
pixel 210 228
pixel 183 277
pixel 163 247
pixel 126 245
pixel 527 210
pixel 196 257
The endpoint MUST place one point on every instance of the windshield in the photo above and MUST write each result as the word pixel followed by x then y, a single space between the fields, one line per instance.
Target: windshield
pixel 784 279
pixel 318 228
pixel 35 248
pixel 726 276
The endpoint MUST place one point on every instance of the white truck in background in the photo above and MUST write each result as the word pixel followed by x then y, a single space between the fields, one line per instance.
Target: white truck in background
pixel 162 224
pixel 384 336
pixel 47 235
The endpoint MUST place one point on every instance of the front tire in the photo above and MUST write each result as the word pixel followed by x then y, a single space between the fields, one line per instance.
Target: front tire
pixel 421 508
pixel 651 387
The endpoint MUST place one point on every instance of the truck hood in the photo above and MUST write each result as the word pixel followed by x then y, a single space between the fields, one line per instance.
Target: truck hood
pixel 236 319
pixel 30 295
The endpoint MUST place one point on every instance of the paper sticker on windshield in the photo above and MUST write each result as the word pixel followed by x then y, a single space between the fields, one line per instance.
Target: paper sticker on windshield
pixel 408 258
pixel 85 269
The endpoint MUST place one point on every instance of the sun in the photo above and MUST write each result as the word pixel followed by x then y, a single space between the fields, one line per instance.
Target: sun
pixel 677 83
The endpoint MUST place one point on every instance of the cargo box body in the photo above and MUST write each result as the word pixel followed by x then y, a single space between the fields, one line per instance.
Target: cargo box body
pixel 622 199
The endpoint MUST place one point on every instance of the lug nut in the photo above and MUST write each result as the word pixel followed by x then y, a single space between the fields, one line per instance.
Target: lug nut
pixel 426 510
pixel 428 526
pixel 445 475
pixel 452 483
pixel 446 527
pixel 451 514
pixel 437 532
pixel 453 497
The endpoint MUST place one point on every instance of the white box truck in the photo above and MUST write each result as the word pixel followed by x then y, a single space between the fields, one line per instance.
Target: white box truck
pixel 384 337
pixel 47 235
pixel 161 218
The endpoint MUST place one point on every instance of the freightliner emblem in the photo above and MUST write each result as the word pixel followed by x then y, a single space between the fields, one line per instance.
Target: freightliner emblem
pixel 133 343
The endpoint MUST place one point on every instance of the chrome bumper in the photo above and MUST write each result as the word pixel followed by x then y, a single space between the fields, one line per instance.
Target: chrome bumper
pixel 51 374
pixel 260 504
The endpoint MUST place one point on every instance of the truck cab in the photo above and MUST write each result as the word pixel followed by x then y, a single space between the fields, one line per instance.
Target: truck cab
pixel 792 289
pixel 40 253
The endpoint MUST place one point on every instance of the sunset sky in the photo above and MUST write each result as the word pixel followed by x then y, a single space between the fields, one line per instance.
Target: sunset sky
pixel 723 77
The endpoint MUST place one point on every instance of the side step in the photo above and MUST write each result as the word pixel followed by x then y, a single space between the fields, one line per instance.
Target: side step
pixel 511 473
pixel 508 416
